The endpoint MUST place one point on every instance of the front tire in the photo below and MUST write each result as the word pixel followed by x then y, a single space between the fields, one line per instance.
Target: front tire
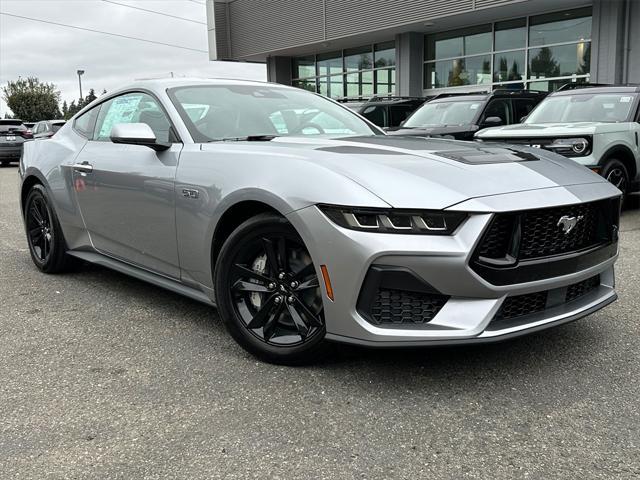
pixel 268 294
pixel 616 173
pixel 44 235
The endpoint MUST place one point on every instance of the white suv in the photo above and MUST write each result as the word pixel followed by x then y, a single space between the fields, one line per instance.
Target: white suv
pixel 597 127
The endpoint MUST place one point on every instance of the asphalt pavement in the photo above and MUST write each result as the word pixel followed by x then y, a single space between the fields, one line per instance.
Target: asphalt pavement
pixel 104 376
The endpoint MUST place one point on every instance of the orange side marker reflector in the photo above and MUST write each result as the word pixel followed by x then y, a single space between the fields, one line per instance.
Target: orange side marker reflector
pixel 327 281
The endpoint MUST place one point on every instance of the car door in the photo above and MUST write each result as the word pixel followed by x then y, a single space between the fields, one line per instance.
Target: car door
pixel 125 192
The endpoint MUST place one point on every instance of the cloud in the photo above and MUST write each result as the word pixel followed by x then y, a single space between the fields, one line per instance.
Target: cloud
pixel 54 54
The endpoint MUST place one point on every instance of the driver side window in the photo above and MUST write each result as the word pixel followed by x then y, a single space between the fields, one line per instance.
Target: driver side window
pixel 500 108
pixel 132 108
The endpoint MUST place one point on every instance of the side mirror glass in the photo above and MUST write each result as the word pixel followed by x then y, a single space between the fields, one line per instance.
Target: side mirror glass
pixel 137 134
pixel 492 122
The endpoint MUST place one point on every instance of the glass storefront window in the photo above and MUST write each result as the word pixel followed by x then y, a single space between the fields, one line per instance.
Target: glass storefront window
pixel 551 85
pixel 385 81
pixel 330 63
pixel 508 66
pixel 511 34
pixel 538 52
pixel 358 59
pixel 470 41
pixel 571 26
pixel 331 86
pixel 308 84
pixel 359 84
pixel 458 72
pixel 356 72
pixel 559 61
pixel 304 67
pixel 385 55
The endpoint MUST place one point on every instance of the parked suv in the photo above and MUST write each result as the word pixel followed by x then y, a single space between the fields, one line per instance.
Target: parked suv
pixel 47 128
pixel 461 115
pixel 13 134
pixel 386 112
pixel 593 125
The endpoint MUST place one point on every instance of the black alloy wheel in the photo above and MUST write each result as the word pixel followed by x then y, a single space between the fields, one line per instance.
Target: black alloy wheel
pixel 615 172
pixel 268 292
pixel 39 229
pixel 44 235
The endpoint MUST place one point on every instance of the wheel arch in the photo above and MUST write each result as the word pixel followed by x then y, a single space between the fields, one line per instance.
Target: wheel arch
pixel 28 182
pixel 623 154
pixel 232 217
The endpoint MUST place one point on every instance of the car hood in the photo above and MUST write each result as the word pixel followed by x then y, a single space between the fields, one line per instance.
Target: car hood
pixel 430 173
pixel 526 130
pixel 426 131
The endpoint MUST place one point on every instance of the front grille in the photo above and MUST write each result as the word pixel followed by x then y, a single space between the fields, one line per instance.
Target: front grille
pixel 514 241
pixel 543 237
pixel 496 242
pixel 520 305
pixel 405 307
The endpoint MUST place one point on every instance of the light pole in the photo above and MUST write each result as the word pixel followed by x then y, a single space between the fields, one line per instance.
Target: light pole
pixel 80 73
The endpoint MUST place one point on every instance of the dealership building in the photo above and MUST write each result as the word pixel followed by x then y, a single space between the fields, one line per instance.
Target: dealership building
pixel 361 48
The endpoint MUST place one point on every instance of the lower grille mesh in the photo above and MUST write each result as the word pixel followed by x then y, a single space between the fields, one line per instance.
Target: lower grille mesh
pixel 520 305
pixel 578 290
pixel 404 307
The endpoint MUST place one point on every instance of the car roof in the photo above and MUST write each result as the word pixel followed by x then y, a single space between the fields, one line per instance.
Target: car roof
pixel 586 90
pixel 498 92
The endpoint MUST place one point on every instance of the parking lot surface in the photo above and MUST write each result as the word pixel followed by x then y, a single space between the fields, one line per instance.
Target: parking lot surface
pixel 103 376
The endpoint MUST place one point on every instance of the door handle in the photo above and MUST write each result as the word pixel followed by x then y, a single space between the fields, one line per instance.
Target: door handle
pixel 84 167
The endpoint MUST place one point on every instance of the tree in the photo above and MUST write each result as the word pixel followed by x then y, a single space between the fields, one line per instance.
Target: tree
pixel 72 110
pixel 543 65
pixel 65 110
pixel 32 100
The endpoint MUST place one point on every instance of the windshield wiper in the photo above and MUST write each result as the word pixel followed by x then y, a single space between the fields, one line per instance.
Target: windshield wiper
pixel 248 138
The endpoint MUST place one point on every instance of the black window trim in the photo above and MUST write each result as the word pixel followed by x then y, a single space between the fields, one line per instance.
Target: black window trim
pixel 119 94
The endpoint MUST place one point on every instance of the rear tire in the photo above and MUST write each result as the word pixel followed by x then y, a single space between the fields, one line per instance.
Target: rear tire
pixel 268 294
pixel 616 173
pixel 46 242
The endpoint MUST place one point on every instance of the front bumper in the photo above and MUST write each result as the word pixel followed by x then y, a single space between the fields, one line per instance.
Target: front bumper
pixel 442 262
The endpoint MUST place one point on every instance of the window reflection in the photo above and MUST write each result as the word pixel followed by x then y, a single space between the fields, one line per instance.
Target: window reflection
pixel 559 61
pixel 558 51
pixel 357 72
pixel 571 26
pixel 458 72
pixel 508 66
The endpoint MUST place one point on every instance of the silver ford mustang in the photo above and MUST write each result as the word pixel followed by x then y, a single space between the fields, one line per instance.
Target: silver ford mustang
pixel 302 222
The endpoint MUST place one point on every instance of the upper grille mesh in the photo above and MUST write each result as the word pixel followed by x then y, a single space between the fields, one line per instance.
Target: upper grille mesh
pixel 542 236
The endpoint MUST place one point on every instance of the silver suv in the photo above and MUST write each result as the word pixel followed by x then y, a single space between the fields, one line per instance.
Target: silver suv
pixel 597 127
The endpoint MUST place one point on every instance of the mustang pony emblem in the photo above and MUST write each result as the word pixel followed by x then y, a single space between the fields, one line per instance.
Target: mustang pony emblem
pixel 567 223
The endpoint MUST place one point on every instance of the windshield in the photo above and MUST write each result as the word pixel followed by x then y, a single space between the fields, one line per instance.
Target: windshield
pixel 222 112
pixel 599 107
pixel 442 114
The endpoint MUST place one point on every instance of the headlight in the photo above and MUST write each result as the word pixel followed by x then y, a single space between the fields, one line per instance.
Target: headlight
pixel 571 147
pixel 425 222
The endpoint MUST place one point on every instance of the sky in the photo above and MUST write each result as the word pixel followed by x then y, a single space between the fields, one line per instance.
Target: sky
pixel 54 53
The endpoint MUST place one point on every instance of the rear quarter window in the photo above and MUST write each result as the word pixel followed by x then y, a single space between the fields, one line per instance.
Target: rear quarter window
pixel 85 123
